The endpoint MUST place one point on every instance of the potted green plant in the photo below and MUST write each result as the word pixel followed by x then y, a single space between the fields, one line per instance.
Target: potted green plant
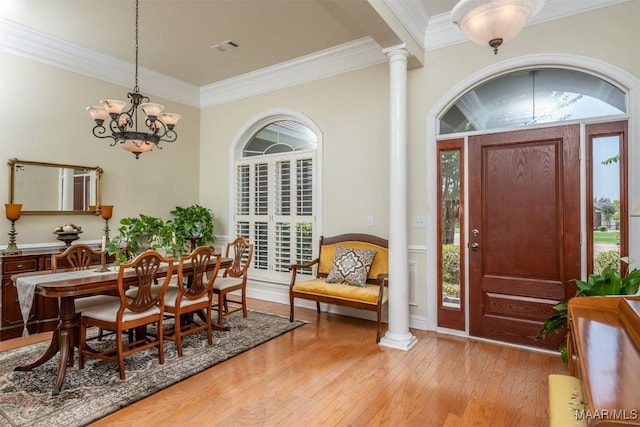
pixel 609 282
pixel 191 226
pixel 137 234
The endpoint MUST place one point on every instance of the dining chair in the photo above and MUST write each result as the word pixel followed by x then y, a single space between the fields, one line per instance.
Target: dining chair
pixel 233 279
pixel 130 313
pixel 81 257
pixel 194 294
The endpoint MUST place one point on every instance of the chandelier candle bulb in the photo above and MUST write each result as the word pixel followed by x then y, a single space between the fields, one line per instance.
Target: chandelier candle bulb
pixel 113 106
pixel 170 119
pixel 151 109
pixel 98 113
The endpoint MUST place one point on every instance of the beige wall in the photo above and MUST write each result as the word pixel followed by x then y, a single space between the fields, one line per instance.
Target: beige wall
pixel 43 118
pixel 351 111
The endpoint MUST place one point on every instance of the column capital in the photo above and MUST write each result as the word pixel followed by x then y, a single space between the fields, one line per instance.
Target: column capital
pixel 398 50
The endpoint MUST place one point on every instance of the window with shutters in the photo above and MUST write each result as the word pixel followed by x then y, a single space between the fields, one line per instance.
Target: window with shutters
pixel 274 198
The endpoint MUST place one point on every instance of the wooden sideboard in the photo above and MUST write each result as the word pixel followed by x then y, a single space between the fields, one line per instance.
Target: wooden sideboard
pixel 604 354
pixel 44 313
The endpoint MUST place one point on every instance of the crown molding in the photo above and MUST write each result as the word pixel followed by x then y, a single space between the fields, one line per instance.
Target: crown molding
pixel 441 32
pixel 350 56
pixel 41 47
pixel 413 16
pixel 44 48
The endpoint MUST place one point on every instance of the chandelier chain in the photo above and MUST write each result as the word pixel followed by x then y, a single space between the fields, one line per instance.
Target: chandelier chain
pixel 136 89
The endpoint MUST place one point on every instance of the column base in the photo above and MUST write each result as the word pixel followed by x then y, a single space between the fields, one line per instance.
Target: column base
pixel 400 342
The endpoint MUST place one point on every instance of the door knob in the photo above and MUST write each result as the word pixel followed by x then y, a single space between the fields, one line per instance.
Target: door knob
pixel 475 246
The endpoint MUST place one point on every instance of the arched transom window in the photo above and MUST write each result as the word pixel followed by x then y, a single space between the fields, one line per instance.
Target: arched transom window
pixel 529 97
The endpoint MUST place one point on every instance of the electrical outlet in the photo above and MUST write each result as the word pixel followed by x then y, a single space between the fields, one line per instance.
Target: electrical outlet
pixel 371 221
pixel 419 222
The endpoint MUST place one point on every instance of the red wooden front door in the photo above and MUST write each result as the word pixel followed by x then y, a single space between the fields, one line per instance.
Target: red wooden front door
pixel 524 230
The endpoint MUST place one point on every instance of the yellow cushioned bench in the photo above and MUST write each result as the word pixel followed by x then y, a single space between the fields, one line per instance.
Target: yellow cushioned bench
pixel 565 401
pixel 371 297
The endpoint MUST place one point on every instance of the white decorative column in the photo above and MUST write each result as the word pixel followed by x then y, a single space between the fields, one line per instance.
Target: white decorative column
pixel 398 335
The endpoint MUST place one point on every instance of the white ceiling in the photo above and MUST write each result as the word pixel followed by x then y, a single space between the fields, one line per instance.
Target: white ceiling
pixel 176 36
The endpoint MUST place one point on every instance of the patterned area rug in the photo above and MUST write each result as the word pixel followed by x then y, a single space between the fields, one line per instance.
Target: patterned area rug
pixel 96 391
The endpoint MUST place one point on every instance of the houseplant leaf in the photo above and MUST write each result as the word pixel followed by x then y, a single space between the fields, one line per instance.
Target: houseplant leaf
pixel 631 283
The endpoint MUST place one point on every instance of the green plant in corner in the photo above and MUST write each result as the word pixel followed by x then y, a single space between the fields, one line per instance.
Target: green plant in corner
pixel 191 224
pixel 609 282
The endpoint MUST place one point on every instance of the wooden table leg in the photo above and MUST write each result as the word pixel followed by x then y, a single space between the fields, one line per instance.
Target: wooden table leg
pixel 53 348
pixel 68 327
pixel 62 341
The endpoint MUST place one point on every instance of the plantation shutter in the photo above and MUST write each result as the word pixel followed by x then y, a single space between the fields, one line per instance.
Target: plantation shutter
pixel 304 210
pixel 282 211
pixel 274 209
pixel 242 201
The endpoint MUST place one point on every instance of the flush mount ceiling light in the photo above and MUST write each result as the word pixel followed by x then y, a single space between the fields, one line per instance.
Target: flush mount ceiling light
pixel 123 126
pixel 493 21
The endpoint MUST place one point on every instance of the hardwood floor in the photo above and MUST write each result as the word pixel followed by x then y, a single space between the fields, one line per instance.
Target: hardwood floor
pixel 332 373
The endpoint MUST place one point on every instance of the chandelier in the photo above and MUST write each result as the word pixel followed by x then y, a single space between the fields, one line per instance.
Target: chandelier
pixel 123 125
pixel 493 21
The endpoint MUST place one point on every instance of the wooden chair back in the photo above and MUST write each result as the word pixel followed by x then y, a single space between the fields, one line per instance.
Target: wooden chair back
pixel 147 267
pixel 79 256
pixel 242 255
pixel 200 282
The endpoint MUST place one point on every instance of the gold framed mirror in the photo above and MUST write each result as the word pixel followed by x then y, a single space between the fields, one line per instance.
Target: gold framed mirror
pixel 54 188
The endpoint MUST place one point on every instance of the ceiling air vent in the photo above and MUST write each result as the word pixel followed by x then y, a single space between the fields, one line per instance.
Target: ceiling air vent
pixel 226 46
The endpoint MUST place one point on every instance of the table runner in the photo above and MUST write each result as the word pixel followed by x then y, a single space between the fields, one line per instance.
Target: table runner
pixel 26 287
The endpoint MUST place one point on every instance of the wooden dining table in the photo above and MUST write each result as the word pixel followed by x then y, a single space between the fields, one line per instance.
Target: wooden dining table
pixel 67 288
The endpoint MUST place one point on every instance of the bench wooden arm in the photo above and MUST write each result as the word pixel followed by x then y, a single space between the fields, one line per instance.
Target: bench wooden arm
pixel 383 281
pixel 293 268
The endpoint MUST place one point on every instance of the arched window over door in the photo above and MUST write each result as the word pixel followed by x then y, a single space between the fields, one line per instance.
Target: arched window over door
pixel 529 97
pixel 275 193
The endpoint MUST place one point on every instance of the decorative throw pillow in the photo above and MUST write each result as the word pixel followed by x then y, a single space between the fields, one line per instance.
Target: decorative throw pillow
pixel 351 266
